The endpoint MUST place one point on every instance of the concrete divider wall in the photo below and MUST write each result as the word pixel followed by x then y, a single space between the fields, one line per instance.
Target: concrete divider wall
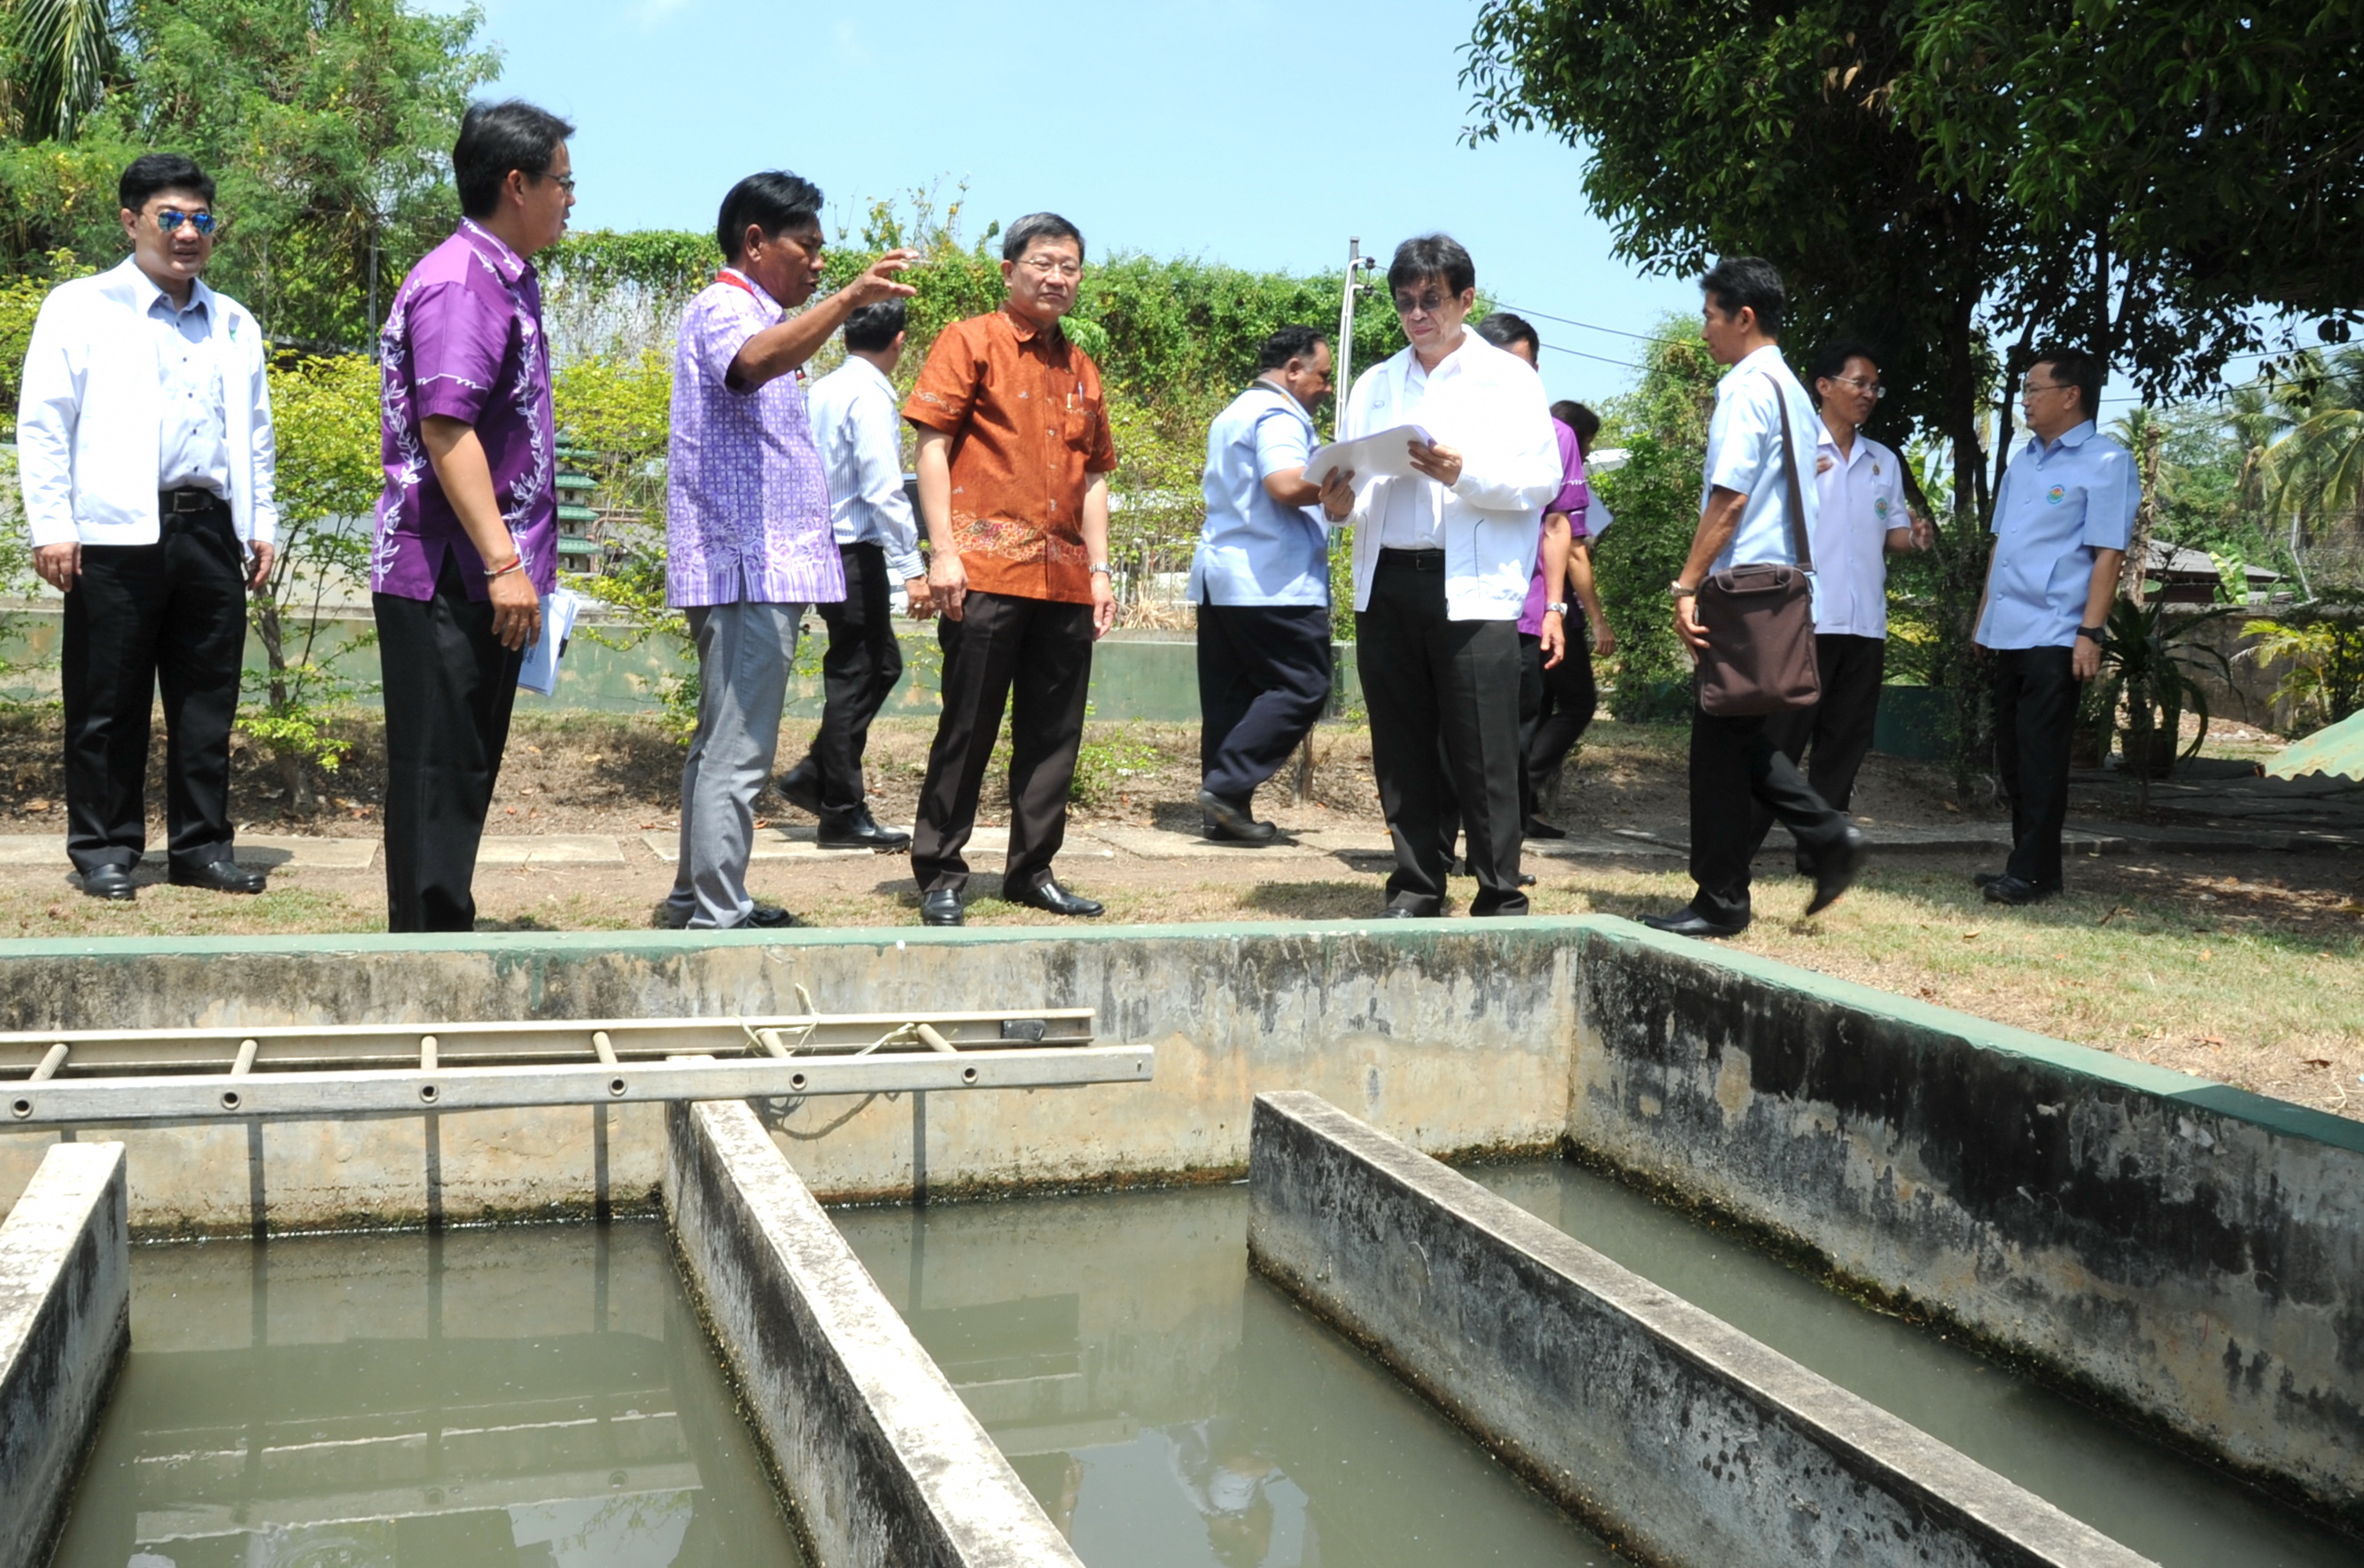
pixel 885 1466
pixel 65 1322
pixel 1453 1036
pixel 1684 1439
pixel 2188 1251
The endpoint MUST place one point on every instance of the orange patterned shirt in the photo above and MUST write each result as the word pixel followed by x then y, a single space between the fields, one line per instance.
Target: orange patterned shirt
pixel 1029 427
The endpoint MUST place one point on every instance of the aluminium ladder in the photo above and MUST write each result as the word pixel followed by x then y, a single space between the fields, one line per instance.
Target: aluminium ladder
pixel 110 1076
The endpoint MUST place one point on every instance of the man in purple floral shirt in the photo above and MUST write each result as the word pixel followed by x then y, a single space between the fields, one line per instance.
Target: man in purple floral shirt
pixel 748 539
pixel 467 530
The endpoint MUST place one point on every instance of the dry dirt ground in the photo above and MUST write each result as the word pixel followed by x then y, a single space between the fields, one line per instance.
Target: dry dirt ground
pixel 2243 968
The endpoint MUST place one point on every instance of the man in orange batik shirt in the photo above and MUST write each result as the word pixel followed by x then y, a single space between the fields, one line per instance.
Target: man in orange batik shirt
pixel 1014 458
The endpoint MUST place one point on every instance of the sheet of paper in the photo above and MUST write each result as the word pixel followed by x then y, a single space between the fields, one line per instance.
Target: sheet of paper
pixel 1386 455
pixel 540 671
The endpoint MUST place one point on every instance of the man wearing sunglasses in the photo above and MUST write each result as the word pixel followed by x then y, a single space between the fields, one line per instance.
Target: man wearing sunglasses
pixel 144 448
pixel 1443 556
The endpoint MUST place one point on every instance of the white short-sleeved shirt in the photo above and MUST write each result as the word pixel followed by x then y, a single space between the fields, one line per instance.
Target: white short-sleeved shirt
pixel 2056 506
pixel 1252 550
pixel 1744 454
pixel 1862 497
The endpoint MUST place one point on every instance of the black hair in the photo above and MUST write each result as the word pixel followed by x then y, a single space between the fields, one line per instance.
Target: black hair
pixel 1039 226
pixel 1432 256
pixel 774 201
pixel 1738 282
pixel 2078 368
pixel 1288 343
pixel 495 139
pixel 1502 329
pixel 154 172
pixel 1830 362
pixel 873 327
pixel 1577 418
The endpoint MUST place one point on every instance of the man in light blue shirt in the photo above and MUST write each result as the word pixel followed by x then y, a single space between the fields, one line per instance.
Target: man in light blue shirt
pixel 1737 774
pixel 857 427
pixel 2062 517
pixel 1261 579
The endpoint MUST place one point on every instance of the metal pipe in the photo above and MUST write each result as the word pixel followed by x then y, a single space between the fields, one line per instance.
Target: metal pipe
pixel 603 1046
pixel 51 1062
pixel 934 1041
pixel 245 1062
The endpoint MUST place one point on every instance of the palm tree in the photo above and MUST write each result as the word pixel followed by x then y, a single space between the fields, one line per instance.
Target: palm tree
pixel 69 49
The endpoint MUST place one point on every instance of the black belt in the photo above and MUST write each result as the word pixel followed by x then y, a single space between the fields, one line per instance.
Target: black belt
pixel 1417 560
pixel 189 498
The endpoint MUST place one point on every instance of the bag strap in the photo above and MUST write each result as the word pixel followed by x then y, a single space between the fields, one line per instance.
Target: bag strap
pixel 1799 544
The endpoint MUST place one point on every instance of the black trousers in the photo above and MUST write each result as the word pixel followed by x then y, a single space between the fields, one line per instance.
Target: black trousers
pixel 448 688
pixel 2035 709
pixel 1831 738
pixel 1036 656
pixel 1555 708
pixel 1263 681
pixel 171 613
pixel 1444 697
pixel 1736 773
pixel 858 673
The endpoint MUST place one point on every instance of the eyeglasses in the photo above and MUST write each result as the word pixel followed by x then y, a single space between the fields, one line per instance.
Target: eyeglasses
pixel 172 218
pixel 1430 303
pixel 1872 387
pixel 1054 266
pixel 2030 388
pixel 564 181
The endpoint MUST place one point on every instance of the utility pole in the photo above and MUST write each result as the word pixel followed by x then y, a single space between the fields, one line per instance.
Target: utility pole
pixel 1343 357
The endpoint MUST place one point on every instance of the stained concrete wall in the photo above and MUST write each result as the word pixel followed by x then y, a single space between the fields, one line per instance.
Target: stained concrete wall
pixel 1453 1036
pixel 1685 1440
pixel 2188 1251
pixel 885 1466
pixel 65 1322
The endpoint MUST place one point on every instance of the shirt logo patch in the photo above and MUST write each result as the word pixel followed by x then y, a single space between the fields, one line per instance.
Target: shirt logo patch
pixel 1880 508
pixel 2056 494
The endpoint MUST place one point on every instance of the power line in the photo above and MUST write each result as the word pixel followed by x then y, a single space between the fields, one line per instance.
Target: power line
pixel 1579 354
pixel 1590 327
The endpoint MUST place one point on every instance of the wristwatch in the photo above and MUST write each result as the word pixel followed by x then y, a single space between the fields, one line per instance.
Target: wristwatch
pixel 1559 610
pixel 1681 591
pixel 2092 631
pixel 1102 569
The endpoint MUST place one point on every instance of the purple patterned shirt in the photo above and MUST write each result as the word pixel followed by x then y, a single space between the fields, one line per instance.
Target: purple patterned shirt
pixel 746 497
pixel 464 340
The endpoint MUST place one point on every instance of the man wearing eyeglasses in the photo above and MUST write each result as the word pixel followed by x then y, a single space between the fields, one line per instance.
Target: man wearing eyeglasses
pixel 1015 451
pixel 467 527
pixel 1261 579
pixel 1863 514
pixel 1443 556
pixel 2063 514
pixel 144 449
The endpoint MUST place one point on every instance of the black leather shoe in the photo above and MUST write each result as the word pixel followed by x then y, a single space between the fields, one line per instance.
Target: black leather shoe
pixel 1537 828
pixel 112 883
pixel 942 908
pixel 1526 879
pixel 1402 912
pixel 222 876
pixel 800 788
pixel 1686 923
pixel 1836 869
pixel 1051 898
pixel 1986 878
pixel 768 918
pixel 2008 889
pixel 1231 822
pixel 857 830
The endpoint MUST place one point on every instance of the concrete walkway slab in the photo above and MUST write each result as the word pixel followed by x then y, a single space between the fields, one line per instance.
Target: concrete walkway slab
pixel 771 844
pixel 551 849
pixel 1167 844
pixel 262 851
pixel 1600 847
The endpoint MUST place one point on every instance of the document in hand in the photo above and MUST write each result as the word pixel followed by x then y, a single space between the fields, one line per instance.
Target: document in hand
pixel 1386 455
pixel 540 671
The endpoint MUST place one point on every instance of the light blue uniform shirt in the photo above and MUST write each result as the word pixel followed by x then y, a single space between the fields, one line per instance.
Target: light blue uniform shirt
pixel 193 453
pixel 1253 549
pixel 2055 509
pixel 1744 454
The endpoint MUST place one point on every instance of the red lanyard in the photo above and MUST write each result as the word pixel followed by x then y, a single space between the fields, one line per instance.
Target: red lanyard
pixel 735 281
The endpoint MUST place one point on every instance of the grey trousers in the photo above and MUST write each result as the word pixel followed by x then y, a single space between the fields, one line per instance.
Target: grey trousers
pixel 743 654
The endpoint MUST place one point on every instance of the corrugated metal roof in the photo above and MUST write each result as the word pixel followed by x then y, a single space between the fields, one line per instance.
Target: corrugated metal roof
pixel 2337 750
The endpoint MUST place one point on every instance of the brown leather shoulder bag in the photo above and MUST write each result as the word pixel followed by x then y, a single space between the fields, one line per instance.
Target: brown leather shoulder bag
pixel 1759 619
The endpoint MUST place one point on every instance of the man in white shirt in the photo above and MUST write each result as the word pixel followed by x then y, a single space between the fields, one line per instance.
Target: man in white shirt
pixel 1261 579
pixel 1442 560
pixel 857 426
pixel 144 447
pixel 1763 421
pixel 1863 516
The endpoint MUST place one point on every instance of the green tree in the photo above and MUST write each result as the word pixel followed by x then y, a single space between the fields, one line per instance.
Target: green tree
pixel 65 51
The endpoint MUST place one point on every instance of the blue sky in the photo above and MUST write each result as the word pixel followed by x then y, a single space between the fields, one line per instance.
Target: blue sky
pixel 1256 134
